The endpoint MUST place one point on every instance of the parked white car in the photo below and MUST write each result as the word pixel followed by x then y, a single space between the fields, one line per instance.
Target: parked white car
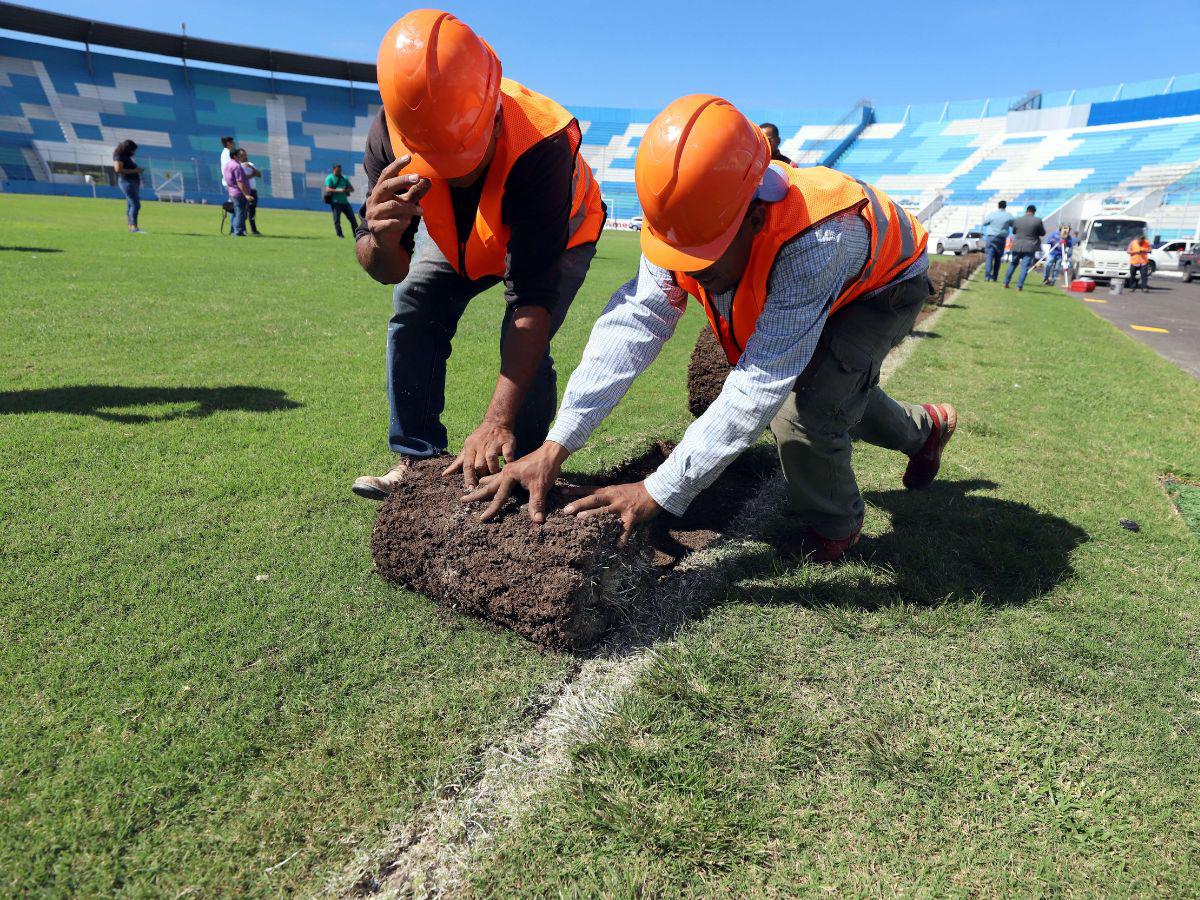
pixel 635 223
pixel 961 243
pixel 1166 257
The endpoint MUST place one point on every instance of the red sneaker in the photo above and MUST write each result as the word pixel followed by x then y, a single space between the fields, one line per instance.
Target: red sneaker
pixel 807 543
pixel 924 464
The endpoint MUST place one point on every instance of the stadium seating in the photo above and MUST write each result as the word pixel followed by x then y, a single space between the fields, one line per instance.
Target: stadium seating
pixel 63 110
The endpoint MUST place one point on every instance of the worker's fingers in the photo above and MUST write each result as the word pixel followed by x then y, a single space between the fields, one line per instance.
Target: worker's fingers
pixel 419 189
pixel 537 504
pixel 470 478
pixel 393 189
pixel 483 491
pixel 492 460
pixel 594 511
pixel 392 171
pixel 509 451
pixel 395 166
pixel 596 500
pixel 454 466
pixel 498 502
pixel 395 209
pixel 627 530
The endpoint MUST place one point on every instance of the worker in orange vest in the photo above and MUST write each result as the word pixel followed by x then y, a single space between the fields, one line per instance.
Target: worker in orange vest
pixel 808 278
pixel 473 180
pixel 1139 263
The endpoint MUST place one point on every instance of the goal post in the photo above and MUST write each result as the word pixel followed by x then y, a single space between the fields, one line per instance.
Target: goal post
pixel 167 184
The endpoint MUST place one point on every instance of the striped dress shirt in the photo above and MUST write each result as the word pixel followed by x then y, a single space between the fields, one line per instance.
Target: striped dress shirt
pixel 807 276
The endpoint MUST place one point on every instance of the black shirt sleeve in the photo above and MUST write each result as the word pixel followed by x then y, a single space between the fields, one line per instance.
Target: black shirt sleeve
pixel 537 211
pixel 377 157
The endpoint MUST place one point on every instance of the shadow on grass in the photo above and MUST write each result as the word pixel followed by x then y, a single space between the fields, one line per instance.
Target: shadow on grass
pixel 917 333
pixel 946 544
pixel 114 402
pixel 30 249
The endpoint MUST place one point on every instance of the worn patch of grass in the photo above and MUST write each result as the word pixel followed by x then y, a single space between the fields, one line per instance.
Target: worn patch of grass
pixel 995 695
pixel 181 416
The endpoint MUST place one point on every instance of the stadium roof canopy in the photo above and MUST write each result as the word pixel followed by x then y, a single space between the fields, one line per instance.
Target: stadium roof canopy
pixel 88 31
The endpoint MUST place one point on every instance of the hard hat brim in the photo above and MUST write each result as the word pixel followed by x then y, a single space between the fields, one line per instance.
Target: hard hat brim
pixel 690 259
pixel 442 165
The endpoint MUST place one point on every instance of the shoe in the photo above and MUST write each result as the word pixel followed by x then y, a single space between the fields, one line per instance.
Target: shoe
pixel 811 546
pixel 257 233
pixel 1018 289
pixel 379 487
pixel 924 464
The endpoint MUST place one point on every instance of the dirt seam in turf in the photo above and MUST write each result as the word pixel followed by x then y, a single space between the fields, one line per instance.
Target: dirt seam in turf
pixel 430 855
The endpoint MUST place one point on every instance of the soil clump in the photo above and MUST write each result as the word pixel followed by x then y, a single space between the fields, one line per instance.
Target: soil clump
pixel 560 585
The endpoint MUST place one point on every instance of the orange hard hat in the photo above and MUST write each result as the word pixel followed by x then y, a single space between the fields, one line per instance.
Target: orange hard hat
pixel 440 85
pixel 698 167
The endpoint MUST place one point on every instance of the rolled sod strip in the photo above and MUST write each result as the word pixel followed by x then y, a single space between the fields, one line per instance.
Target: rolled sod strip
pixel 561 585
pixel 707 372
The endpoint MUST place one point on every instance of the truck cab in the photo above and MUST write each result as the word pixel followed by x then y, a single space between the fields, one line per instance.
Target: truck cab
pixel 1103 253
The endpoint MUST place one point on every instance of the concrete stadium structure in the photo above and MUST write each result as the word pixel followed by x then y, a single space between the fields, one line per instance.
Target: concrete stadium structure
pixel 1123 148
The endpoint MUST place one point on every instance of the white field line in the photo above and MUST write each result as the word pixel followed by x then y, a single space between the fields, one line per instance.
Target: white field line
pixel 430 856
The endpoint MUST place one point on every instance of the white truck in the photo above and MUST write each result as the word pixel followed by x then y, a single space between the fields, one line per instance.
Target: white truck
pixel 1103 254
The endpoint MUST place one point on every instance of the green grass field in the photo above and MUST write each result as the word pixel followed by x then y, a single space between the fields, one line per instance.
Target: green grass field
pixel 205 691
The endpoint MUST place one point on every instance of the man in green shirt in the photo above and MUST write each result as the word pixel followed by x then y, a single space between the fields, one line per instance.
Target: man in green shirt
pixel 337 195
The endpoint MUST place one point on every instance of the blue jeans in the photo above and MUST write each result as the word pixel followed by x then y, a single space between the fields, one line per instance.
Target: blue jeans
pixel 132 189
pixel 428 304
pixel 339 210
pixel 1051 273
pixel 237 223
pixel 1025 259
pixel 993 249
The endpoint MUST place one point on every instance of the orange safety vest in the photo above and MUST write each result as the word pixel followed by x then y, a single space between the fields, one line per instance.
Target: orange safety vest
pixel 1139 252
pixel 815 195
pixel 526 119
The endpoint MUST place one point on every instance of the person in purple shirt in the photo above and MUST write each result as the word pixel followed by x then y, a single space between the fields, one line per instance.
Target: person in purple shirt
pixel 239 193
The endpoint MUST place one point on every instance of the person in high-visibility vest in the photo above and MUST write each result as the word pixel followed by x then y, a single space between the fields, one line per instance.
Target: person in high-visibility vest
pixel 808 278
pixel 473 180
pixel 1139 263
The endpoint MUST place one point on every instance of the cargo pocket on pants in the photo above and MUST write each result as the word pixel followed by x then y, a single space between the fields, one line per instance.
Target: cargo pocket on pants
pixel 832 395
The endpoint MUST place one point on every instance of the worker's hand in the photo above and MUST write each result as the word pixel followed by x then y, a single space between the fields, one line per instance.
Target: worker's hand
pixel 535 472
pixel 394 203
pixel 632 503
pixel 481 452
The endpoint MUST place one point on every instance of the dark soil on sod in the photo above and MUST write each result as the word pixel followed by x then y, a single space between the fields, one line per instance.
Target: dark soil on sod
pixel 560 585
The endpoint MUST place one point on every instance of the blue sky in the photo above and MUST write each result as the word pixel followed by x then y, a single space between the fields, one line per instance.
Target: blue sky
pixel 758 55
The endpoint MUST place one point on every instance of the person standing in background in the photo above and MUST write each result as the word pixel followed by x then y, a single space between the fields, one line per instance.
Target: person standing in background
pixel 238 187
pixel 771 133
pixel 995 233
pixel 1059 255
pixel 129 180
pixel 337 194
pixel 1139 263
pixel 252 175
pixel 226 152
pixel 1028 232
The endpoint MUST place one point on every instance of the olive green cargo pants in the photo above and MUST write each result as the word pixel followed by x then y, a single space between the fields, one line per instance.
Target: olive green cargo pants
pixel 837 399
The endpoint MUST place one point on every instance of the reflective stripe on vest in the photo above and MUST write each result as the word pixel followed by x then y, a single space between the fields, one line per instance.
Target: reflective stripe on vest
pixel 815 195
pixel 527 118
